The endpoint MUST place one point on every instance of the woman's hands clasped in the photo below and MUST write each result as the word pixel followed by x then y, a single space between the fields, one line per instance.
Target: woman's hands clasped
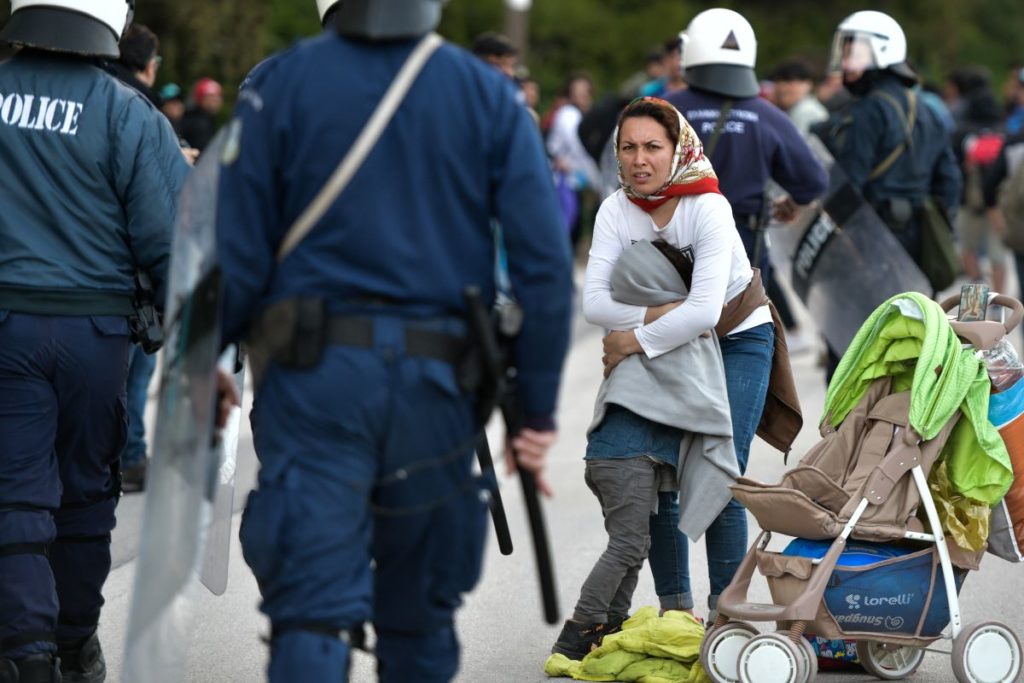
pixel 618 345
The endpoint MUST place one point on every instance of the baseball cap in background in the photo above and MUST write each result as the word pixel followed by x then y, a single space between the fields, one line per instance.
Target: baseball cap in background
pixel 171 91
pixel 204 87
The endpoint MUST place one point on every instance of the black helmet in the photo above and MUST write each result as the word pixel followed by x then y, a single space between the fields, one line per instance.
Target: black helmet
pixel 381 19
pixel 84 27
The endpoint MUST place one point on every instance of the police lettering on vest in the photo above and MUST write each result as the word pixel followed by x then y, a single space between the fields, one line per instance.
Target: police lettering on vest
pixel 40 113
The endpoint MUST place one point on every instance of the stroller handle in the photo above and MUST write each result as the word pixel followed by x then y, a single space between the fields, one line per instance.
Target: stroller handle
pixel 983 333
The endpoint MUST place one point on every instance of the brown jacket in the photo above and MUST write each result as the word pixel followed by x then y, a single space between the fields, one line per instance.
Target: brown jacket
pixel 781 419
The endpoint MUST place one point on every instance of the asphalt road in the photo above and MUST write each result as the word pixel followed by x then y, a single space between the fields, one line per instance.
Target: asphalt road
pixel 504 637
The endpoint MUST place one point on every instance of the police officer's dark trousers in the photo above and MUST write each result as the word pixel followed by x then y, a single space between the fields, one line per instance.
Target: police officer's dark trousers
pixel 62 427
pixel 366 457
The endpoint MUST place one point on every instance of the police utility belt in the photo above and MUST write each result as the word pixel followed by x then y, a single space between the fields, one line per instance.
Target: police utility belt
pixel 294 333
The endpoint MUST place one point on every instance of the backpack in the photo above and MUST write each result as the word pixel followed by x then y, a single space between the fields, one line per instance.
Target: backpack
pixel 1011 198
pixel 980 152
pixel 939 259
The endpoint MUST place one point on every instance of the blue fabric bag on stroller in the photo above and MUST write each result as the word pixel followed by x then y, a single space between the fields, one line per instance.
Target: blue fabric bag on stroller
pixel 882 588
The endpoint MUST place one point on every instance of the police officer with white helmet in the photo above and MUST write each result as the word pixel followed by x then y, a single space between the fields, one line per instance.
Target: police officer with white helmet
pixel 753 141
pixel 90 174
pixel 870 50
pixel 892 147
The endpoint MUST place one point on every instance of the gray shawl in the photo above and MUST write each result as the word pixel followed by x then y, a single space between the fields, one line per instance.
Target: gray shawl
pixel 684 388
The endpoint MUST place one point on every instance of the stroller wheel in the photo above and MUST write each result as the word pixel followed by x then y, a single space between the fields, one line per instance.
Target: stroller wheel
pixel 810 658
pixel 772 658
pixel 888 661
pixel 720 651
pixel 988 652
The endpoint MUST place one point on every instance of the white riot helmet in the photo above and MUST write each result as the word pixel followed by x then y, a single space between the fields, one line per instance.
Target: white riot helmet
pixel 84 27
pixel 719 51
pixel 870 41
pixel 381 19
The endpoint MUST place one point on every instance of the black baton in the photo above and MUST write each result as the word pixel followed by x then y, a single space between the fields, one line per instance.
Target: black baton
pixel 483 456
pixel 489 386
pixel 546 573
pixel 499 388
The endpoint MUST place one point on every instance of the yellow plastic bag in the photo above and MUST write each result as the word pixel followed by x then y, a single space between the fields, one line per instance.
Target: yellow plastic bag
pixel 649 649
pixel 965 520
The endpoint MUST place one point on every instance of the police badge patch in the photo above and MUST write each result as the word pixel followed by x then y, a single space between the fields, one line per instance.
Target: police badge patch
pixel 232 142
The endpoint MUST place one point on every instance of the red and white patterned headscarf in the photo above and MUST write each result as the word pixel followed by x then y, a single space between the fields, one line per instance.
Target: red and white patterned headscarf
pixel 691 171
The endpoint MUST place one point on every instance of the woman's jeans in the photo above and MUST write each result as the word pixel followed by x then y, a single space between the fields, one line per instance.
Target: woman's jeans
pixel 748 360
pixel 140 372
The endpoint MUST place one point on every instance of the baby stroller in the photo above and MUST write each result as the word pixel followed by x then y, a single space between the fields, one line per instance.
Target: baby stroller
pixel 865 480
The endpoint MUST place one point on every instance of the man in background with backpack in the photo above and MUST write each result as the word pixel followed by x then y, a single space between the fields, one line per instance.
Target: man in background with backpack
pixel 976 144
pixel 1003 190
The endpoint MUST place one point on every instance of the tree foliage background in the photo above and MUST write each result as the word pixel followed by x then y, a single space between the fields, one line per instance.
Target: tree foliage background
pixel 607 38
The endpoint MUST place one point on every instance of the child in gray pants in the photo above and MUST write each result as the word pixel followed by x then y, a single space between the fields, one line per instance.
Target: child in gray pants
pixel 629 459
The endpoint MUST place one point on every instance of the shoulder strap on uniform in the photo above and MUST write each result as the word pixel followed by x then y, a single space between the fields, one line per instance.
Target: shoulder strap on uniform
pixel 709 148
pixel 907 119
pixel 362 146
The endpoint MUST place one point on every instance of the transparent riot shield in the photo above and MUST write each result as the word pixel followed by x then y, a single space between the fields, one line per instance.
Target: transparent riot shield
pixel 213 571
pixel 842 260
pixel 191 462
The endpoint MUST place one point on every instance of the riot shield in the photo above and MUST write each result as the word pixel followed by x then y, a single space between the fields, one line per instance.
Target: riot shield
pixel 185 481
pixel 213 572
pixel 842 259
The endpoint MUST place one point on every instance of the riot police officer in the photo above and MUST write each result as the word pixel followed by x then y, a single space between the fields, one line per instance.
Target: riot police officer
pixel 749 141
pixel 367 508
pixel 895 172
pixel 90 171
pixel 870 50
pixel 755 140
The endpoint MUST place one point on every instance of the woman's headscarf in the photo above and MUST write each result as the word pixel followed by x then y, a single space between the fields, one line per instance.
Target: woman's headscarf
pixel 691 171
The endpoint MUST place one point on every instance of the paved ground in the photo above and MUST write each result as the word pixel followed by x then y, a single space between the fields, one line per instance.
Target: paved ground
pixel 504 637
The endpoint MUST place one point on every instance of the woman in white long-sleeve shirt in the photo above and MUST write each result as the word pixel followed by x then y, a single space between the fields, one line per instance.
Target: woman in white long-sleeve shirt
pixel 669 192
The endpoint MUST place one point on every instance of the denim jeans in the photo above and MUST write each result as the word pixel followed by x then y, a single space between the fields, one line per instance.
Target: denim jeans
pixel 624 434
pixel 140 371
pixel 748 360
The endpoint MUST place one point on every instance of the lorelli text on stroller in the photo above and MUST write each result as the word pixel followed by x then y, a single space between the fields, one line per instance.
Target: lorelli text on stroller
pixel 870 561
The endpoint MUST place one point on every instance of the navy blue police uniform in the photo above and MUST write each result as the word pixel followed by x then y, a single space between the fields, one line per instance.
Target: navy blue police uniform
pixel 869 130
pixel 90 172
pixel 758 142
pixel 367 508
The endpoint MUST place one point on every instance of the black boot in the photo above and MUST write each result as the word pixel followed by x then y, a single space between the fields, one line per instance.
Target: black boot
pixel 133 477
pixel 82 661
pixel 578 638
pixel 614 624
pixel 41 668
